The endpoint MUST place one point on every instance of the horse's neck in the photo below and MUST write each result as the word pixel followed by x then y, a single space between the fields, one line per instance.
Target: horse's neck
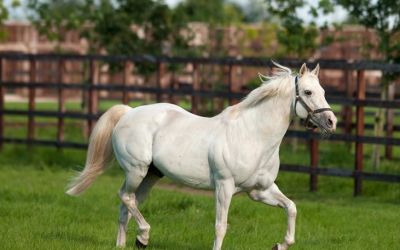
pixel 269 120
pixel 273 115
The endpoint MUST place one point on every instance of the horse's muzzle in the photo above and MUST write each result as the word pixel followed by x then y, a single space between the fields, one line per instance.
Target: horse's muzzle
pixel 330 121
pixel 326 121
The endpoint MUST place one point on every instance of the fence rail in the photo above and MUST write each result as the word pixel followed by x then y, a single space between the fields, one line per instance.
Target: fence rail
pixel 92 87
pixel 244 61
pixel 201 93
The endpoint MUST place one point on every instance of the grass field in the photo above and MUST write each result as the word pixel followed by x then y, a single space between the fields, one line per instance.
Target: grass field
pixel 36 214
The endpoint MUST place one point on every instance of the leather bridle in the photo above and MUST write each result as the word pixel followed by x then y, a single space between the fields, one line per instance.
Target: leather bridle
pixel 311 113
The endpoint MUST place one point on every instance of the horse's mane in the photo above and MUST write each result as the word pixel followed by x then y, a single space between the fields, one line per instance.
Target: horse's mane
pixel 277 84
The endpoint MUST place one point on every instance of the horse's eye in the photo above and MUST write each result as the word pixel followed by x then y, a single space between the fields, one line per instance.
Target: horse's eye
pixel 307 92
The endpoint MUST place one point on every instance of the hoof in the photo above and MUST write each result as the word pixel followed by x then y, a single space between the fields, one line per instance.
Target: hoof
pixel 140 245
pixel 276 247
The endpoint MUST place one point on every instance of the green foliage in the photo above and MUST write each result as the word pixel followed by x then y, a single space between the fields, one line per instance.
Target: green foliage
pixel 3 12
pixel 297 39
pixel 116 27
pixel 211 12
pixel 233 14
pixel 4 15
pixel 258 40
pixel 53 18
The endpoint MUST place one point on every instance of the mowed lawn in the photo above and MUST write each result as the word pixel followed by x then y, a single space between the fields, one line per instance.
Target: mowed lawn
pixel 36 214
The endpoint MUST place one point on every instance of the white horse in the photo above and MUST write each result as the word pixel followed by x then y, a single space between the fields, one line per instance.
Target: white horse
pixel 235 151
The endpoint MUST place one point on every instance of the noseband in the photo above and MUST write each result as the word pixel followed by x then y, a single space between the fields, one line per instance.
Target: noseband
pixel 311 113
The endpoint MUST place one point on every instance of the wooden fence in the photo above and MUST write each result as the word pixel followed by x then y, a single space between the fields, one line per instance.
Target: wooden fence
pixel 92 87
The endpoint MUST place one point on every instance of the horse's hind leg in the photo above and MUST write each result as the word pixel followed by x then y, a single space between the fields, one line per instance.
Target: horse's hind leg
pixel 134 179
pixel 124 217
pixel 141 194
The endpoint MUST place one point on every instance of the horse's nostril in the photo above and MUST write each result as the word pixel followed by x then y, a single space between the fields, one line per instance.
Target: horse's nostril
pixel 330 123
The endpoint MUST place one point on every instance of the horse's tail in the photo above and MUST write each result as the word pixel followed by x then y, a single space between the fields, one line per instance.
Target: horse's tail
pixel 100 151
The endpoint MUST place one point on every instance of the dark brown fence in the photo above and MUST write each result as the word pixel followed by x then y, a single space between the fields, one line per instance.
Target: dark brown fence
pixel 92 87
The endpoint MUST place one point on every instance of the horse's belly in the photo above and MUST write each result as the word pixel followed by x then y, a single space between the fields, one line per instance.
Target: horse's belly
pixel 181 153
pixel 184 169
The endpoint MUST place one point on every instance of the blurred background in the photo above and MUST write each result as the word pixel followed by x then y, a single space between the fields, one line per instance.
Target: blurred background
pixel 64 62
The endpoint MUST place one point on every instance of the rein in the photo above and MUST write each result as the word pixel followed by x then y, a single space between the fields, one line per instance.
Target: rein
pixel 311 113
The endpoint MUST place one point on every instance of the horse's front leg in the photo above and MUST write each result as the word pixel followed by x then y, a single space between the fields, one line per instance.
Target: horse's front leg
pixel 224 190
pixel 274 197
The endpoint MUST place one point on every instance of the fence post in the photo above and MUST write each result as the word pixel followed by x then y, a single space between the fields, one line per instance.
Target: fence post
pixel 314 159
pixel 171 96
pixel 196 87
pixel 126 73
pixel 31 99
pixel 92 95
pixel 389 121
pixel 61 103
pixel 359 132
pixel 2 96
pixel 160 73
pixel 348 110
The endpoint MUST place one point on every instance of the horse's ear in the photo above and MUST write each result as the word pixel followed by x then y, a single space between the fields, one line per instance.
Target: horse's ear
pixel 303 69
pixel 316 70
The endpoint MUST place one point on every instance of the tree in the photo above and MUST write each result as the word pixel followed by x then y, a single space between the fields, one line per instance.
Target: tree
pixel 297 38
pixel 117 27
pixel 122 27
pixel 382 16
pixel 53 19
pixel 210 12
pixel 4 15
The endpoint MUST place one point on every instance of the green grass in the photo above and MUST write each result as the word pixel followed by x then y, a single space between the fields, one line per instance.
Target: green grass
pixel 36 214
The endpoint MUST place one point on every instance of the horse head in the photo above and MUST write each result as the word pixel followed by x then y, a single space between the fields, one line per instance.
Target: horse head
pixel 310 103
